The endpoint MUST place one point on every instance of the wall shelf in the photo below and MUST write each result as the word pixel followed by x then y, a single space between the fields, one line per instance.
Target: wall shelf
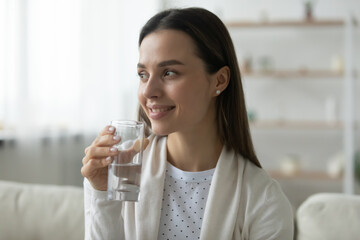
pixel 285 124
pixel 347 77
pixel 288 23
pixel 282 74
pixel 304 175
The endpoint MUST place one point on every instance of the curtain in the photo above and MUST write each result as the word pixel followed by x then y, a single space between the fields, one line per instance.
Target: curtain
pixel 69 65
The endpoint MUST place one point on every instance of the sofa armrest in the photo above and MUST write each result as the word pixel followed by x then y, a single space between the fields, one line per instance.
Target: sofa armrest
pixel 329 216
pixel 33 211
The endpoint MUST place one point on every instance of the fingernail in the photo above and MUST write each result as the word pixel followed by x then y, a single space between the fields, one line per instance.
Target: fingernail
pixel 111 129
pixel 113 149
pixel 116 138
pixel 108 159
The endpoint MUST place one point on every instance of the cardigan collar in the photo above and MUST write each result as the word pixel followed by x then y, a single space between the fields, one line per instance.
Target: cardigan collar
pixel 223 200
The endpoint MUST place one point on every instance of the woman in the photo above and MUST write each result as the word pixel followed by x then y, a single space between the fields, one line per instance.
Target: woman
pixel 201 178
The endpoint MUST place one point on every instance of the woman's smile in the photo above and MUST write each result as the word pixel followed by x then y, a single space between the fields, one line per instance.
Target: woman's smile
pixel 159 111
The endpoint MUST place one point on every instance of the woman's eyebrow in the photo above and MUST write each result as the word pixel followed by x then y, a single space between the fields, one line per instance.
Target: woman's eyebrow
pixel 170 62
pixel 163 63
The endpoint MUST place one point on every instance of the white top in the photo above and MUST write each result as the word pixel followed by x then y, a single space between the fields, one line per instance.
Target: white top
pixel 183 203
pixel 243 203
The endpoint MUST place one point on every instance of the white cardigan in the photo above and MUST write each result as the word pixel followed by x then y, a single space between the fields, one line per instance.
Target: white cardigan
pixel 244 203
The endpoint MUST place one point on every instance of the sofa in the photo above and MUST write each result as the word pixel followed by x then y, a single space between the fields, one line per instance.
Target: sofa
pixel 41 212
pixel 329 216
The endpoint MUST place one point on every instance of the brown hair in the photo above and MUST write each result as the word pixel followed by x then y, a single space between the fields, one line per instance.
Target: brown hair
pixel 215 48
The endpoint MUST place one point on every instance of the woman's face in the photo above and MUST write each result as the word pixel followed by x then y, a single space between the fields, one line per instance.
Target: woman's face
pixel 175 91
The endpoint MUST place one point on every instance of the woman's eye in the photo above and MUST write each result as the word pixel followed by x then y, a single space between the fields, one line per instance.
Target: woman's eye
pixel 142 75
pixel 170 73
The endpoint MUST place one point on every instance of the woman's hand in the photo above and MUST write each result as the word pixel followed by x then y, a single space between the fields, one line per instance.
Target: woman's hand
pixel 98 156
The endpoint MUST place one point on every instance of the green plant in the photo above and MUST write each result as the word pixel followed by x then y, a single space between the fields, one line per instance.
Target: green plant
pixel 357 166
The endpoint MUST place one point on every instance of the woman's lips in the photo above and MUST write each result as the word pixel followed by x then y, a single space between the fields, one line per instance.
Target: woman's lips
pixel 157 112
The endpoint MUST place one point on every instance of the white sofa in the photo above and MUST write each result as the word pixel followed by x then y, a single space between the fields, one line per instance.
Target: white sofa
pixel 329 216
pixel 42 212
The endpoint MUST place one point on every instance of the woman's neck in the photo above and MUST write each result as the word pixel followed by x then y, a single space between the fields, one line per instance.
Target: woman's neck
pixel 194 151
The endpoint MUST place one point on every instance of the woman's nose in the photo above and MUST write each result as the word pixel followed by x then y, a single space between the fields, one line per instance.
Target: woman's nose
pixel 152 88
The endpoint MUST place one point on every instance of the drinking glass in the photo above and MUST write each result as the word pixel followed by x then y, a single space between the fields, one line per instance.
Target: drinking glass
pixel 124 173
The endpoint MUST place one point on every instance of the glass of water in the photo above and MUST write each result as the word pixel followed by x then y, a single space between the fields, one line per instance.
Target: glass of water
pixel 124 173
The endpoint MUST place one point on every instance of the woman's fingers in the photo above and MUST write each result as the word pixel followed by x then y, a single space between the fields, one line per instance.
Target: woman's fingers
pixel 103 141
pixel 99 163
pixel 93 165
pixel 103 138
pixel 107 130
pixel 102 151
pixel 99 152
pixel 98 158
pixel 107 140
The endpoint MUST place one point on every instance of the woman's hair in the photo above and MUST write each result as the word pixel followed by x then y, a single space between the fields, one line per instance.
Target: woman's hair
pixel 215 48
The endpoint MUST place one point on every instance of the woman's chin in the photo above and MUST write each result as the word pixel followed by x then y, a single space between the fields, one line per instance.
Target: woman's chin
pixel 160 131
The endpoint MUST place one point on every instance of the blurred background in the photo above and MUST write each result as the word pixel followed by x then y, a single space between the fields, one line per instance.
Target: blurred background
pixel 69 67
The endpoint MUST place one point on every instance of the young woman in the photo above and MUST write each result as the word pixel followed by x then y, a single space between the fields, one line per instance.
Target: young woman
pixel 201 178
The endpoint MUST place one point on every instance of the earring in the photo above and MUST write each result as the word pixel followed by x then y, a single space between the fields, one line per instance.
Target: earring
pixel 218 92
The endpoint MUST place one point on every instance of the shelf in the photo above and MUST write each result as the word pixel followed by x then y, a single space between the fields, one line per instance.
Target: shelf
pixel 303 175
pixel 294 74
pixel 311 125
pixel 287 23
pixel 347 125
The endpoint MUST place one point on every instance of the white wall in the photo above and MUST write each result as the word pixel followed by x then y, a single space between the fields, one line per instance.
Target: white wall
pixel 109 58
pixel 69 63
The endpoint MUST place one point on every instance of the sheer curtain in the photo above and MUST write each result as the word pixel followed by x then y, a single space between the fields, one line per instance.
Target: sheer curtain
pixel 68 65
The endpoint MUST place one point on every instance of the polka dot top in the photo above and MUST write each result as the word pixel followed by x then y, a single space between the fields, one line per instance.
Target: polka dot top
pixel 183 203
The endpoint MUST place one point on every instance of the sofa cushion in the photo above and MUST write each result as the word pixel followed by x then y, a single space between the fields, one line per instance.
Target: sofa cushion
pixel 29 211
pixel 329 216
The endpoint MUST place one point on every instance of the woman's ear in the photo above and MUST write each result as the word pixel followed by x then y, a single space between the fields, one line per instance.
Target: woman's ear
pixel 222 78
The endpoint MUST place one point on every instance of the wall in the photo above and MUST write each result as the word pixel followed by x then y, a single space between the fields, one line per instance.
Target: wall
pixel 82 55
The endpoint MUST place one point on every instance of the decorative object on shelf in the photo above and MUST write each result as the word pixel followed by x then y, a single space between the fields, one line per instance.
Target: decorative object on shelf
pixel 337 64
pixel 290 165
pixel 335 165
pixel 266 64
pixel 264 16
pixel 309 9
pixel 246 64
pixel 357 166
pixel 330 111
pixel 251 113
